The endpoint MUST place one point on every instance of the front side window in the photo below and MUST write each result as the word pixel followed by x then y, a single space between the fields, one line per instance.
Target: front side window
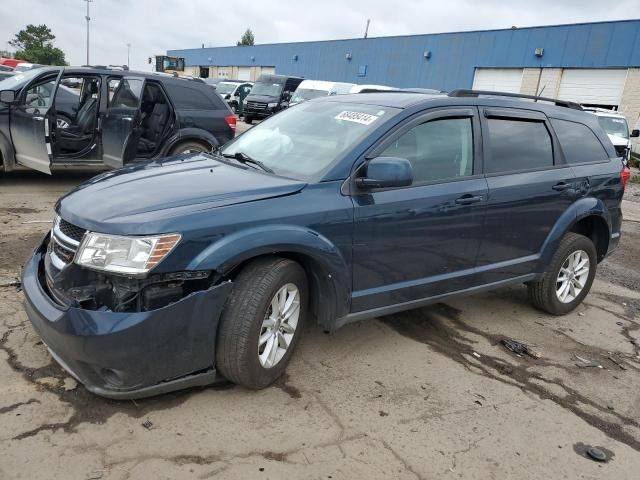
pixel 438 149
pixel 303 142
pixel 41 94
pixel 579 144
pixel 516 145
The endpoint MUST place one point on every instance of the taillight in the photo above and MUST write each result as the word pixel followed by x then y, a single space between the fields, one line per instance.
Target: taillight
pixel 625 175
pixel 231 121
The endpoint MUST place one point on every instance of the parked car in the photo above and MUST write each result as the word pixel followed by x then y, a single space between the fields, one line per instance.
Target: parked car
pixel 229 90
pixel 24 66
pixel 167 274
pixel 6 68
pixel 270 94
pixel 616 127
pixel 6 74
pixel 310 89
pixel 115 116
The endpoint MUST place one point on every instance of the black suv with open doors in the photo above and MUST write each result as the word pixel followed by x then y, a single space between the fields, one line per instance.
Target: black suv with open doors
pixel 62 116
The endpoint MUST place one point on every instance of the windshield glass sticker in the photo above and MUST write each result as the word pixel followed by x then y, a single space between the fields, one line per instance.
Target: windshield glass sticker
pixel 357 117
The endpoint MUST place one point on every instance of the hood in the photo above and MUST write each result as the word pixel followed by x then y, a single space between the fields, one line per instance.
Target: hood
pixel 618 141
pixel 150 197
pixel 263 98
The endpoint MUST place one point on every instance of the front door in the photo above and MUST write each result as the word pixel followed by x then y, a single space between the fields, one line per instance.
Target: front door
pixel 122 122
pixel 530 187
pixel 421 241
pixel 32 120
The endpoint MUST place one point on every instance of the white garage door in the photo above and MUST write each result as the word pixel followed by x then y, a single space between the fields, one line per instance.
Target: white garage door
pixel 592 86
pixel 244 73
pixel 498 79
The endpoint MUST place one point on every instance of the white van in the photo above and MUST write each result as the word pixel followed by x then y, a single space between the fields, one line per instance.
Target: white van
pixel 616 127
pixel 369 88
pixel 310 89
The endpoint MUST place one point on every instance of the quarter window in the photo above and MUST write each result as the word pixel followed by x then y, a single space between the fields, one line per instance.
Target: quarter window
pixel 438 150
pixel 579 144
pixel 517 145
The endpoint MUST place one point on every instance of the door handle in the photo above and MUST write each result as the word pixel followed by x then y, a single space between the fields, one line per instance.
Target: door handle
pixel 127 119
pixel 561 186
pixel 469 199
pixel 38 118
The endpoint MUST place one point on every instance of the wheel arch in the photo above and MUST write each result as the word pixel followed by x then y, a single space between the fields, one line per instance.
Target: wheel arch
pixel 587 216
pixel 326 269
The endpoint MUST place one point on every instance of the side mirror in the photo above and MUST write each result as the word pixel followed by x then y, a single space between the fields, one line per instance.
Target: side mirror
pixel 635 133
pixel 227 96
pixel 8 96
pixel 386 172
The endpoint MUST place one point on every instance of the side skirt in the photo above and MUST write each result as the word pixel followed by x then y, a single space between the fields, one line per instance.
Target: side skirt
pixel 399 307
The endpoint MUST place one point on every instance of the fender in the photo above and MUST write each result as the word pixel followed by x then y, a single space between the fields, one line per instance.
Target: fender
pixel 7 153
pixel 188 134
pixel 322 260
pixel 585 207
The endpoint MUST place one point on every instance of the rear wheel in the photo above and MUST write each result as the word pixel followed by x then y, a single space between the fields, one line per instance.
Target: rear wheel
pixel 569 278
pixel 262 322
pixel 189 147
pixel 62 121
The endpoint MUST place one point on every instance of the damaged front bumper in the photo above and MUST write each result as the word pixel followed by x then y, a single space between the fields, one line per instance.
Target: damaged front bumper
pixel 125 355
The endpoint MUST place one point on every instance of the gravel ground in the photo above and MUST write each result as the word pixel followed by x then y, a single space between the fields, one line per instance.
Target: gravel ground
pixel 429 393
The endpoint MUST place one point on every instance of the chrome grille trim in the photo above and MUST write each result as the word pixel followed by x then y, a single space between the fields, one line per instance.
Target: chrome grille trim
pixel 60 240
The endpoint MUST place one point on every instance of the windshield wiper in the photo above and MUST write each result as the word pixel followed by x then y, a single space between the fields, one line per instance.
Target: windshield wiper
pixel 246 159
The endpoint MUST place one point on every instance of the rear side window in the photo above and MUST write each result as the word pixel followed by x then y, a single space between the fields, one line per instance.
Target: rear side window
pixel 128 94
pixel 579 144
pixel 187 98
pixel 517 145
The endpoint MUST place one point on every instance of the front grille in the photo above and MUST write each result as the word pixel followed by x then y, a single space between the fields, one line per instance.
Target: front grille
pixel 71 231
pixel 256 106
pixel 63 253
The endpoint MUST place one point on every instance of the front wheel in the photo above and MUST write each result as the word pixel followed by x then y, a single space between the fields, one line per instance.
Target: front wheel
pixel 569 278
pixel 248 120
pixel 262 322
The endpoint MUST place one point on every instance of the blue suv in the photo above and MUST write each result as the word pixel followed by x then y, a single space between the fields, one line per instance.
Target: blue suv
pixel 176 272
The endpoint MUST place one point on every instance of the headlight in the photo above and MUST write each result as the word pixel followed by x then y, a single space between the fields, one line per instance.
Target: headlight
pixel 272 105
pixel 132 255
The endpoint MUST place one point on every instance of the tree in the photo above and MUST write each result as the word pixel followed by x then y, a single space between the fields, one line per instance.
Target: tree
pixel 247 38
pixel 35 44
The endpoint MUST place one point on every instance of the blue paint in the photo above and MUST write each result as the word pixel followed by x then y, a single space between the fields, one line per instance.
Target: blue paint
pixel 400 60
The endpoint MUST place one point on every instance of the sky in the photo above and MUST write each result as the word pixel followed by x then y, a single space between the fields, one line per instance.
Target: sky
pixel 154 26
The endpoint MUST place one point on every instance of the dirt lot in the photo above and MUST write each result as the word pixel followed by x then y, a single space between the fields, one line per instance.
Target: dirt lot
pixel 426 394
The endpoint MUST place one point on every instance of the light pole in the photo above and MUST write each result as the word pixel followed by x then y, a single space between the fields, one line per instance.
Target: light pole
pixel 88 18
pixel 128 54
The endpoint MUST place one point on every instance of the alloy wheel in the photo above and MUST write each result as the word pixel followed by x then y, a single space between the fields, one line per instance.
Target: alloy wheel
pixel 573 276
pixel 279 325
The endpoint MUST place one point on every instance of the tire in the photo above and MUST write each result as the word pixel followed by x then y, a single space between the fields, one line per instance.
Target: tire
pixel 241 328
pixel 545 294
pixel 248 120
pixel 190 146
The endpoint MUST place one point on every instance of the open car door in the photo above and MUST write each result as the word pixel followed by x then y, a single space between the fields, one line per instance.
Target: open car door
pixel 32 119
pixel 121 126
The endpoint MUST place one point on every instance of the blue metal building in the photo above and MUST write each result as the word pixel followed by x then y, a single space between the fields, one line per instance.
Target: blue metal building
pixel 443 60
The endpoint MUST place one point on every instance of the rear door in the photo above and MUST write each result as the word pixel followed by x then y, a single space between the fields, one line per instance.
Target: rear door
pixel 122 122
pixel 31 122
pixel 530 187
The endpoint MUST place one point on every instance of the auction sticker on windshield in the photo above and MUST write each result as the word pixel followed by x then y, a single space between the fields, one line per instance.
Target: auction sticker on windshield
pixel 357 117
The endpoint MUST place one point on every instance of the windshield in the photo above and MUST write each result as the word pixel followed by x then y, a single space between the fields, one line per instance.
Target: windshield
pixel 304 142
pixel 614 126
pixel 17 81
pixel 223 88
pixel 270 89
pixel 307 94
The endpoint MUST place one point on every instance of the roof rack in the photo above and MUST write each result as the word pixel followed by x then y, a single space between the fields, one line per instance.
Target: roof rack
pixel 535 98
